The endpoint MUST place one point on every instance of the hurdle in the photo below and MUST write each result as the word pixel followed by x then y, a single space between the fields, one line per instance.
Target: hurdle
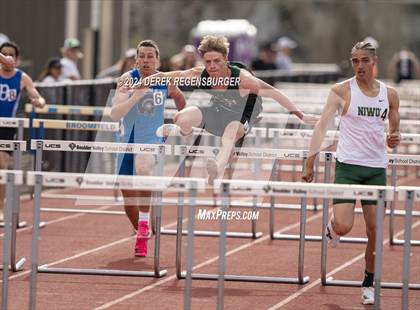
pixel 394 160
pixel 409 195
pixel 268 188
pixel 381 194
pixel 100 181
pixel 17 146
pixel 20 124
pixel 226 188
pixel 105 147
pixel 10 178
pixel 184 151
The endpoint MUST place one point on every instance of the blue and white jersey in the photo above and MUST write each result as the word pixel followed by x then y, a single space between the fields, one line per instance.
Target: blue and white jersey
pixel 140 123
pixel 9 94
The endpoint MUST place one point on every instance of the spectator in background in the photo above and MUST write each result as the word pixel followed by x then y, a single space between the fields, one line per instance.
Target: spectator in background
pixel 404 65
pixel 71 54
pixel 186 59
pixel 165 64
pixel 123 65
pixel 285 47
pixel 3 38
pixel 52 71
pixel 266 59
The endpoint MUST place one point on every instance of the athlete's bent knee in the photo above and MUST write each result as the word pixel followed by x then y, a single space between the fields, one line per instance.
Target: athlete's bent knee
pixel 342 228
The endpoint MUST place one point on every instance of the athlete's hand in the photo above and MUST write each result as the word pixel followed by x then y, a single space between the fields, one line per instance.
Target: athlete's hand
pixel 393 139
pixel 38 102
pixel 308 174
pixel 310 119
pixel 8 62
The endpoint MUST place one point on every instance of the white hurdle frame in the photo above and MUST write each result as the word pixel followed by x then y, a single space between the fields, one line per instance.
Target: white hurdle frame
pixel 409 194
pixel 288 189
pixel 106 147
pixel 98 181
pixel 385 193
pixel 20 124
pixel 10 178
pixel 17 146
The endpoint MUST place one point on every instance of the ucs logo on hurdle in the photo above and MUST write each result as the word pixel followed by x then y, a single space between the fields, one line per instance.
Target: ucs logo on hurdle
pixel 216 151
pixel 79 180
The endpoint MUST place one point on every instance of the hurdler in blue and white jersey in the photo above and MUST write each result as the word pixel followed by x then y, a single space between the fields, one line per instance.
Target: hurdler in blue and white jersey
pixel 140 113
pixel 12 82
pixel 144 117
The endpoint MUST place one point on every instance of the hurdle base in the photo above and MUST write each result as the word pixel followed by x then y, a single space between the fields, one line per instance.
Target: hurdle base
pixel 210 233
pixel 278 236
pixel 401 242
pixel 331 282
pixel 244 278
pixel 103 272
pixel 17 267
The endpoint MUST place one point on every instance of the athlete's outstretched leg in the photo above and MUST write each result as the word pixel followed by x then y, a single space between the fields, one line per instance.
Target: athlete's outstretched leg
pixel 233 132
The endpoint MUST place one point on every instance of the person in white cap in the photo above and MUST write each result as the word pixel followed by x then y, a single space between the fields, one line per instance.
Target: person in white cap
pixel 285 46
pixel 186 59
pixel 123 65
pixel 71 54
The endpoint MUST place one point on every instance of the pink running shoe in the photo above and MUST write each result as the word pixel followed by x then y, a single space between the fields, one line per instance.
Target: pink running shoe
pixel 143 235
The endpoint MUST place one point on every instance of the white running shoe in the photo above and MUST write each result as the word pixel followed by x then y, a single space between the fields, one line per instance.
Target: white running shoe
pixel 211 167
pixel 368 295
pixel 332 238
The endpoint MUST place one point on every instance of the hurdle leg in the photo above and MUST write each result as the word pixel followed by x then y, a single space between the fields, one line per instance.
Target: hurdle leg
pixel 273 177
pixel 35 242
pixel 154 200
pixel 392 204
pixel 222 248
pixel 301 258
pixel 179 224
pixel 325 213
pixel 17 165
pixel 7 239
pixel 407 248
pixel 392 213
pixel 380 214
pixel 316 177
pixel 158 272
pixel 190 249
pixel 325 207
pixel 157 196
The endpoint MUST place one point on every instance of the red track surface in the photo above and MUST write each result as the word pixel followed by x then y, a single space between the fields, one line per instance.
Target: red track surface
pixel 70 240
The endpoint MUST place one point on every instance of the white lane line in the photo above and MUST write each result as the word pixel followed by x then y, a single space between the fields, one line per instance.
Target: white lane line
pixel 339 268
pixel 61 219
pixel 205 263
